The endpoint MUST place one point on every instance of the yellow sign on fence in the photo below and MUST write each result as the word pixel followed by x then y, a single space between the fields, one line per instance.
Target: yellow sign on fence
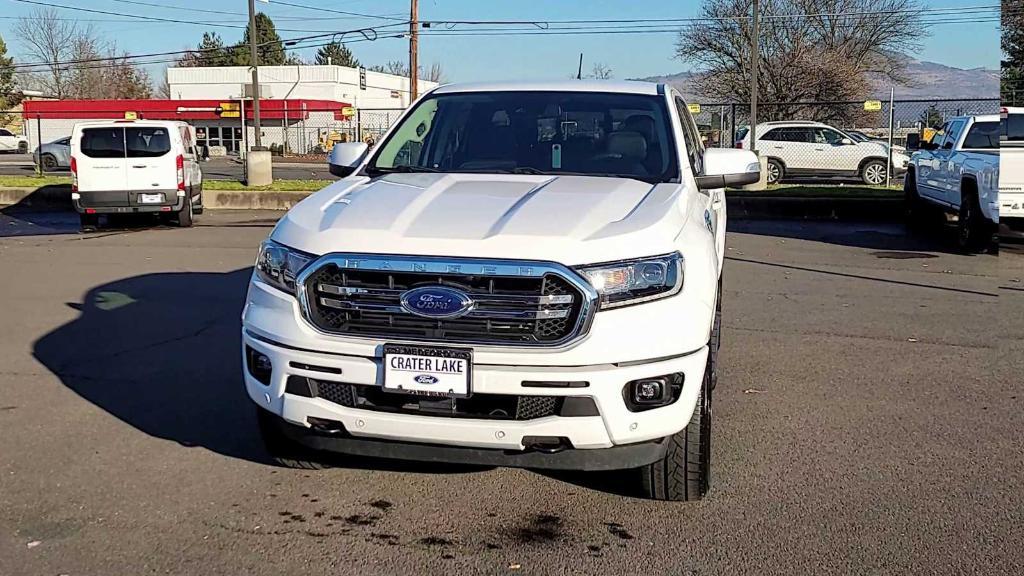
pixel 131 116
pixel 348 111
pixel 694 108
pixel 873 105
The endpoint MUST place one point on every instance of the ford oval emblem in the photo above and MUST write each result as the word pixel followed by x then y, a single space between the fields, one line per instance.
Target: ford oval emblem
pixel 437 302
pixel 425 379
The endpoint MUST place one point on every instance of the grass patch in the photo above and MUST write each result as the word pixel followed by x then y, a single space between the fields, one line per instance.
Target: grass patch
pixel 819 191
pixel 276 186
pixel 32 181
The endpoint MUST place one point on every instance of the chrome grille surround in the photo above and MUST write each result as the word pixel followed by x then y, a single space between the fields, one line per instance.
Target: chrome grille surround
pixel 451 270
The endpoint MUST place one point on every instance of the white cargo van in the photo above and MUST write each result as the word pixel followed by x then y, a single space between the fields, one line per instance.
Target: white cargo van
pixel 134 166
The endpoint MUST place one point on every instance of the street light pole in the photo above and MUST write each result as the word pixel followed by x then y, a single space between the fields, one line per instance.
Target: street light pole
pixel 413 50
pixel 255 74
pixel 755 65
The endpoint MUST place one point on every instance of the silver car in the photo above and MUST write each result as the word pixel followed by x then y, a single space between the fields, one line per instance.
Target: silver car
pixel 56 155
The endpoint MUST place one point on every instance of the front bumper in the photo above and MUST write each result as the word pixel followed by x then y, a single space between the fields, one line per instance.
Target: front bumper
pixel 491 441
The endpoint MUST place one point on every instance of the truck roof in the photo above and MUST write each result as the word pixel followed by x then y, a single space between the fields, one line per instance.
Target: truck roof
pixel 614 86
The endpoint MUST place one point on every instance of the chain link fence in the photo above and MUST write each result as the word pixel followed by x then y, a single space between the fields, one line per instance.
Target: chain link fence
pixel 834 140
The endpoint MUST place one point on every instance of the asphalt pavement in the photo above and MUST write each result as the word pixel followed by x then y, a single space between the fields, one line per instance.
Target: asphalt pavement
pixel 867 421
pixel 216 169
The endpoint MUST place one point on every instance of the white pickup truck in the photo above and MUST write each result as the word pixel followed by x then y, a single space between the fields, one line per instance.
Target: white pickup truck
pixel 520 274
pixel 957 173
pixel 1011 172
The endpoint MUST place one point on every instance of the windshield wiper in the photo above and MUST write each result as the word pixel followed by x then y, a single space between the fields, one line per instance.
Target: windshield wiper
pixel 404 169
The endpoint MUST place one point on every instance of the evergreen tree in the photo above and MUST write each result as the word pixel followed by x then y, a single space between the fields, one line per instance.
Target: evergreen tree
pixel 9 95
pixel 337 54
pixel 269 47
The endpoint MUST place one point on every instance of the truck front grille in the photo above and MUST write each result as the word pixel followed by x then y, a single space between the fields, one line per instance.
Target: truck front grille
pixel 545 305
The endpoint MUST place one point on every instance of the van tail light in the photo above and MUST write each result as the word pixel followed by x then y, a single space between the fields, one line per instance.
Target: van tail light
pixel 74 174
pixel 739 145
pixel 179 162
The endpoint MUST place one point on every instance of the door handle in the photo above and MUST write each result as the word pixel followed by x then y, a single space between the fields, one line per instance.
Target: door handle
pixel 716 200
pixel 819 149
pixel 139 166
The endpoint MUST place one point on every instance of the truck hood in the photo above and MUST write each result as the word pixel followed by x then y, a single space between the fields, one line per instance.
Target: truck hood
pixel 567 219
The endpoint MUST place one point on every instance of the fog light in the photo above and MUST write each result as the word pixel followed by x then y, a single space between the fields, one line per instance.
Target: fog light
pixel 259 365
pixel 649 391
pixel 653 392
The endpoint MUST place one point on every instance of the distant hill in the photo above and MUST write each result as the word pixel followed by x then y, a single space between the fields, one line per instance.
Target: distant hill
pixel 927 80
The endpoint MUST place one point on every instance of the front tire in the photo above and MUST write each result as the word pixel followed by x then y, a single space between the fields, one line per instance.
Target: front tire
pixel 974 233
pixel 684 474
pixel 280 448
pixel 873 173
pixel 775 171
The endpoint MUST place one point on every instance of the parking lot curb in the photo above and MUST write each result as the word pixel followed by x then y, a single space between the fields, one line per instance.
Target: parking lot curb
pixel 57 197
pixel 739 207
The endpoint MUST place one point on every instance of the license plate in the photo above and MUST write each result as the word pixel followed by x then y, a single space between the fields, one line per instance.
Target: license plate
pixel 428 370
pixel 151 198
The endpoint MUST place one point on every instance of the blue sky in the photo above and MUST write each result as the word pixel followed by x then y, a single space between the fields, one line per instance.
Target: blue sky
pixel 964 45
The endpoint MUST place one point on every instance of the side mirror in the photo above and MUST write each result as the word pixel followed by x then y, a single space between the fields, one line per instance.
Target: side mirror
pixel 913 141
pixel 345 157
pixel 724 167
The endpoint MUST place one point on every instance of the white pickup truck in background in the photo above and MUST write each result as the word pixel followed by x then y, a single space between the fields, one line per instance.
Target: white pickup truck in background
pixel 1011 172
pixel 957 174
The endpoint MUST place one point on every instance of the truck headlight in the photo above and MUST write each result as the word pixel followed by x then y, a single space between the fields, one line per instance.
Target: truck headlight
pixel 279 265
pixel 635 281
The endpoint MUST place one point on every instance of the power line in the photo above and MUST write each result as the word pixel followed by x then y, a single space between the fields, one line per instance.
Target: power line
pixel 322 9
pixel 285 43
pixel 154 18
pixel 190 9
pixel 541 23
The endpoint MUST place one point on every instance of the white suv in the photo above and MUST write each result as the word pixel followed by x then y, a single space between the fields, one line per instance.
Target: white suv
pixel 813 149
pixel 517 274
pixel 11 142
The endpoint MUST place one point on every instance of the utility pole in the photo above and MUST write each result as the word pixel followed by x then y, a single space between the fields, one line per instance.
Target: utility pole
pixel 755 64
pixel 414 49
pixel 255 74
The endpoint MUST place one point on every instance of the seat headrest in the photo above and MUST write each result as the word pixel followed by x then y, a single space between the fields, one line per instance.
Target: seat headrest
pixel 640 123
pixel 629 145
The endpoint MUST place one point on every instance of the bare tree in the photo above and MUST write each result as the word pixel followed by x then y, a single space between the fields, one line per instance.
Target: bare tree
pixel 433 74
pixel 809 50
pixel 600 71
pixel 51 39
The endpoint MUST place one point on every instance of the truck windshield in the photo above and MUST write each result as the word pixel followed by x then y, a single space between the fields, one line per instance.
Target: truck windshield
pixel 571 133
pixel 1012 130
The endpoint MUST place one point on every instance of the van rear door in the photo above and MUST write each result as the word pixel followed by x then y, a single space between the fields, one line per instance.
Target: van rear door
pixel 151 166
pixel 101 165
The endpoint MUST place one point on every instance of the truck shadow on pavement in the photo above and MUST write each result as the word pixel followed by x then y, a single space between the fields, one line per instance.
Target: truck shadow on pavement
pixel 161 352
pixel 891 240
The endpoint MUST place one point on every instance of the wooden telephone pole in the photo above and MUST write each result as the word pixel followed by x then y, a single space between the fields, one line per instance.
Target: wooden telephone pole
pixel 414 49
